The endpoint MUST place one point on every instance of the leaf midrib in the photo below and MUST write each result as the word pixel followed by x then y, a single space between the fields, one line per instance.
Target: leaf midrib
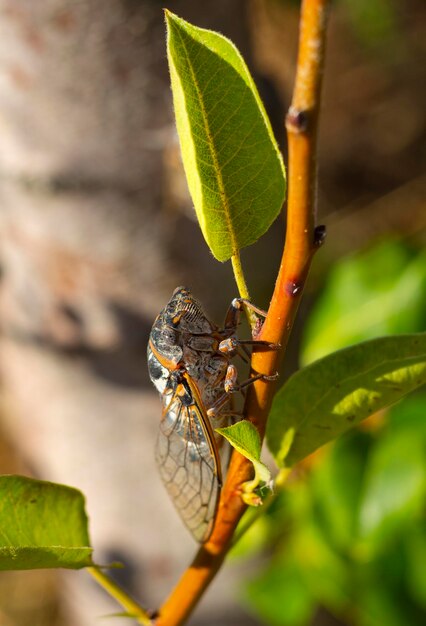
pixel 218 173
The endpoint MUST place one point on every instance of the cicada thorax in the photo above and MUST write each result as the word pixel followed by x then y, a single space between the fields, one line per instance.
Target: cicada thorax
pixel 183 338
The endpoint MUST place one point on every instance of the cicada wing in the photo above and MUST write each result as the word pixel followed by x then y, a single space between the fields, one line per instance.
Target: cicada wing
pixel 187 463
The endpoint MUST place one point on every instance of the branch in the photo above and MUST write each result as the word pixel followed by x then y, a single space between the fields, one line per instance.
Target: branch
pixel 132 608
pixel 302 240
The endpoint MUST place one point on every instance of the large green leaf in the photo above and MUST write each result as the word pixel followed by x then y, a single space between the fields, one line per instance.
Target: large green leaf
pixel 327 398
pixel 42 525
pixel 377 292
pixel 232 163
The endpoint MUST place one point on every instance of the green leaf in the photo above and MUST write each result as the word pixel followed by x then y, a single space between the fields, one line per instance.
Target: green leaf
pixel 381 591
pixel 327 398
pixel 324 570
pixel 336 486
pixel 279 595
pixel 415 546
pixel 409 416
pixel 244 437
pixel 381 291
pixel 232 163
pixel 42 525
pixel 395 486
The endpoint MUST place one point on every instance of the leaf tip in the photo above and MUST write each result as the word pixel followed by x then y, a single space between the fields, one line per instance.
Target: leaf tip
pixel 172 19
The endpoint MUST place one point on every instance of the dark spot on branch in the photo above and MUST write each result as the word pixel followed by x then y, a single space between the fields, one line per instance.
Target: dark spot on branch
pixel 320 233
pixel 153 614
pixel 296 120
pixel 350 418
pixel 292 288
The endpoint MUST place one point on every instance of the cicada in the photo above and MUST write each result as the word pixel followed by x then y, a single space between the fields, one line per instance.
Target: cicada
pixel 189 363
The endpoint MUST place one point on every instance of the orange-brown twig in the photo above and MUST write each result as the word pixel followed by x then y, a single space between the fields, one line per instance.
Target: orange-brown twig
pixel 302 239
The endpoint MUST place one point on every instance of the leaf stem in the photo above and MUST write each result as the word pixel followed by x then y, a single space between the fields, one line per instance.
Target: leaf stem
pixel 242 286
pixel 239 276
pixel 111 587
pixel 302 240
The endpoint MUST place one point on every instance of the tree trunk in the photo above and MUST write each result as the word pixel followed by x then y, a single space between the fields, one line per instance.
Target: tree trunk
pixel 89 254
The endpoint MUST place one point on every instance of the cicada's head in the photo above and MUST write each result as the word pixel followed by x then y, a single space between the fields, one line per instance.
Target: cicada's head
pixel 181 319
pixel 185 314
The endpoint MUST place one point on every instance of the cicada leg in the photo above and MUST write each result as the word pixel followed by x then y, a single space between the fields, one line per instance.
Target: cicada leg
pixel 231 345
pixel 231 385
pixel 233 313
pixel 231 322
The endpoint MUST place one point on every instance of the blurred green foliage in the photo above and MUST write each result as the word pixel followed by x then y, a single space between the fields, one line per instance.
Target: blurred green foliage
pixel 350 536
pixel 348 533
pixel 374 21
pixel 380 291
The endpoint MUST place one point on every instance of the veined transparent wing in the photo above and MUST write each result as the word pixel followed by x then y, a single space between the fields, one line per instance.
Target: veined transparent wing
pixel 188 461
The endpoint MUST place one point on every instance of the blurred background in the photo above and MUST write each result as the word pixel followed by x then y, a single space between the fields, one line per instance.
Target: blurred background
pixel 97 229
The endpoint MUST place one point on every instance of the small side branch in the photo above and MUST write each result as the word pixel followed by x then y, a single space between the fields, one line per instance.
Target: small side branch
pixel 302 239
pixel 132 608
